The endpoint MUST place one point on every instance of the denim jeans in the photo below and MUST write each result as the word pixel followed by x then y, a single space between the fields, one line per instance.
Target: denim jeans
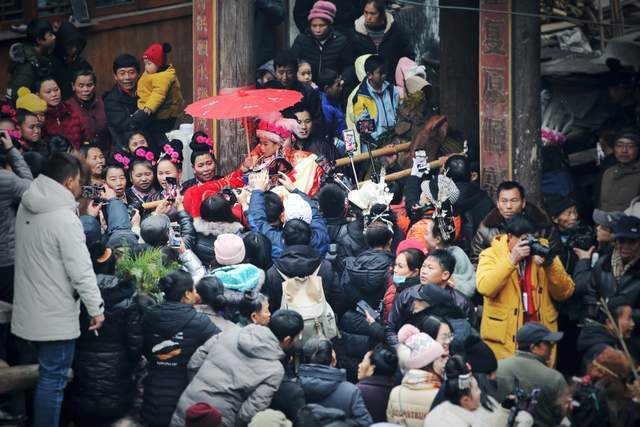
pixel 55 359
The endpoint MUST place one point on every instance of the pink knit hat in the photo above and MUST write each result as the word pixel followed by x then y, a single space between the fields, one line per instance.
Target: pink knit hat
pixel 424 350
pixel 229 249
pixel 323 10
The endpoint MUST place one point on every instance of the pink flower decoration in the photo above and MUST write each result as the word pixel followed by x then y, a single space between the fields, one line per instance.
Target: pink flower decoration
pixel 273 128
pixel 7 109
pixel 140 152
pixel 204 140
pixel 123 160
pixel 149 156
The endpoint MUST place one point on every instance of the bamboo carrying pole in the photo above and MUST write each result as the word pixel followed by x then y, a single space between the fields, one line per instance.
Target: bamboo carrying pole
pixel 406 172
pixel 384 151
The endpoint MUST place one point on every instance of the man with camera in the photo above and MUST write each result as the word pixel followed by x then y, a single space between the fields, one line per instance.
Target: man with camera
pixel 617 274
pixel 526 375
pixel 576 242
pixel 520 280
pixel 510 201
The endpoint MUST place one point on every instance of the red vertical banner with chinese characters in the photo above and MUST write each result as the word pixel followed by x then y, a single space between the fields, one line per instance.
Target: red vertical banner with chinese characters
pixel 204 58
pixel 495 93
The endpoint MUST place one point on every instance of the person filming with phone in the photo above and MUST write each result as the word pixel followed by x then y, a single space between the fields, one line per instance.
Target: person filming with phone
pixel 376 102
pixel 520 278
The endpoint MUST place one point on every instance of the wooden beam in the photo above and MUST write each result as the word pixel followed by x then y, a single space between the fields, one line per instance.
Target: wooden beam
pixel 526 123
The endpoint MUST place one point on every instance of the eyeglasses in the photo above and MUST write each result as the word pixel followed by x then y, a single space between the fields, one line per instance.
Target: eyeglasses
pixel 625 146
pixel 447 338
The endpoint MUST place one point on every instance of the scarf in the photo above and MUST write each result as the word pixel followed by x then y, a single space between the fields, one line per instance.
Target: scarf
pixel 618 267
pixel 528 291
pixel 376 36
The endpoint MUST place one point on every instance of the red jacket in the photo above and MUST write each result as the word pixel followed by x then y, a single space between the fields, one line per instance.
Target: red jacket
pixel 194 196
pixel 93 120
pixel 62 121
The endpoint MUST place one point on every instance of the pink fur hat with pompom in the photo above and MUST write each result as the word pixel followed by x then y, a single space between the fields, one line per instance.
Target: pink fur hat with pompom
pixel 273 127
pixel 423 350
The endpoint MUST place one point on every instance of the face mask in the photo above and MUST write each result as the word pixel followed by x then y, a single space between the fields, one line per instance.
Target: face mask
pixel 398 280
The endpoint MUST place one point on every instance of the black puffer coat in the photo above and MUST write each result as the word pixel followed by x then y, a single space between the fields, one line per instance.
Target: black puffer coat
pixel 207 232
pixel 364 278
pixel 68 35
pixel 103 365
pixel 402 311
pixel 394 44
pixel 119 108
pixel 592 340
pixel 302 261
pixel 473 205
pixel 604 284
pixel 348 238
pixel 172 333
pixel 335 54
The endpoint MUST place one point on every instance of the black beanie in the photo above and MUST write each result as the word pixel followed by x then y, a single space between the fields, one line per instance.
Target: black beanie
pixel 557 203
pixel 479 356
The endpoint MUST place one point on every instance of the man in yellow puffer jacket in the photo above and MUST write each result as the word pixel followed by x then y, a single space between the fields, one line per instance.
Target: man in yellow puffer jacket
pixel 159 92
pixel 518 286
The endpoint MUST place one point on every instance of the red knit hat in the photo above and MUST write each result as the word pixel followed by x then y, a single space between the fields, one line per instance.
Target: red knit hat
pixel 157 53
pixel 202 415
pixel 323 10
pixel 411 243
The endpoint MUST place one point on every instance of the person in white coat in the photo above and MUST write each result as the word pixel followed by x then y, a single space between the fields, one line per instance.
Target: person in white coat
pixel 53 275
pixel 462 407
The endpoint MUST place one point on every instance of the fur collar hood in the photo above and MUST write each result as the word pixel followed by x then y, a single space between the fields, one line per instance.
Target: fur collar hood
pixel 362 29
pixel 215 228
pixel 495 220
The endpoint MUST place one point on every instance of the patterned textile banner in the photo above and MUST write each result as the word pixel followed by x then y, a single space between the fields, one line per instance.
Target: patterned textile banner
pixel 204 58
pixel 495 93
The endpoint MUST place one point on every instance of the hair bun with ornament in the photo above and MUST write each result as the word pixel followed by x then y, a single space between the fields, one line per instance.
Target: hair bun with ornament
pixel 145 154
pixel 172 151
pixel 122 159
pixel 202 143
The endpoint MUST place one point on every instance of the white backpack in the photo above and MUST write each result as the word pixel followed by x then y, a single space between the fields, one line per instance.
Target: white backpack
pixel 305 295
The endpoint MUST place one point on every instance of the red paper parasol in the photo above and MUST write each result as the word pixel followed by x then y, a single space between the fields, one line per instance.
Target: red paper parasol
pixel 243 104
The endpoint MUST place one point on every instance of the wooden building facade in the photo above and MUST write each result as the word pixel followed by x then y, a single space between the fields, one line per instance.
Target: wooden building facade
pixel 114 27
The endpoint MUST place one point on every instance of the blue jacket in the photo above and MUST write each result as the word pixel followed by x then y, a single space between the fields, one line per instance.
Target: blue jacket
pixel 258 222
pixel 333 116
pixel 380 108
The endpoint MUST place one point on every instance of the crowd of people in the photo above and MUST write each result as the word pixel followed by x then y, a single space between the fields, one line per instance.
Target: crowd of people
pixel 284 293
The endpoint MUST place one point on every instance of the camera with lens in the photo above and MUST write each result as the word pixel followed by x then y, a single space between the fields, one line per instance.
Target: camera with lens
pixel 537 248
pixel 581 238
pixel 93 192
pixel 520 400
pixel 229 195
